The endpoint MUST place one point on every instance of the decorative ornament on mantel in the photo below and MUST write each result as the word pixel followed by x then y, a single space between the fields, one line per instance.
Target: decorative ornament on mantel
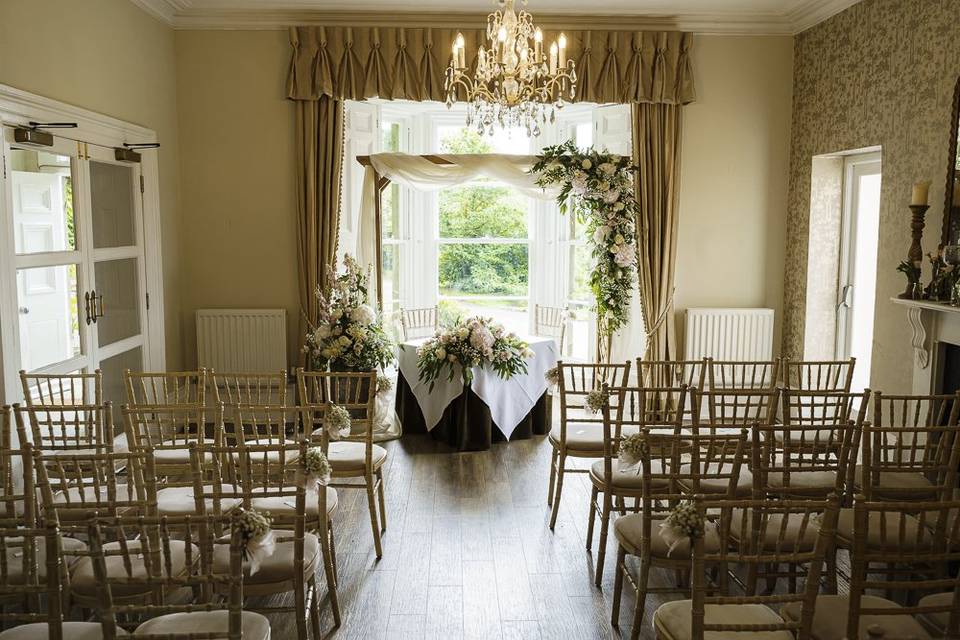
pixel 911 267
pixel 514 83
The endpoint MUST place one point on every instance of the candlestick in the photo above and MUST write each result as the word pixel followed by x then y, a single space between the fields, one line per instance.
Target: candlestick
pixel 553 59
pixel 921 193
pixel 915 254
pixel 563 50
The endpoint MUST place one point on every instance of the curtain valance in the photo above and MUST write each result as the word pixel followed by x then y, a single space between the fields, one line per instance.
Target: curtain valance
pixel 354 63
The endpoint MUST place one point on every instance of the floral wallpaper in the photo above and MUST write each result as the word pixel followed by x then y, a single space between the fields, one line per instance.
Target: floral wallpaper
pixel 882 73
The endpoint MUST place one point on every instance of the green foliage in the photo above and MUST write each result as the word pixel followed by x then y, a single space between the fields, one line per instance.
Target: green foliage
pixel 466 141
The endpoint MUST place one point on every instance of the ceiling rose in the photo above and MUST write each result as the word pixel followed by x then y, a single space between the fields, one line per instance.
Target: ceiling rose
pixel 515 84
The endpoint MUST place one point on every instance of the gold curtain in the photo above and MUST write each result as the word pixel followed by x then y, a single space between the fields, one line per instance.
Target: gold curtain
pixel 319 140
pixel 656 149
pixel 354 63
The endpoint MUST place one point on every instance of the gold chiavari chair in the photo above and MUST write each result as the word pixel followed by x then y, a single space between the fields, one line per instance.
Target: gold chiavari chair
pixel 742 374
pixel 580 433
pixel 264 389
pixel 357 462
pixel 911 454
pixel 68 430
pixel 675 373
pixel 172 618
pixel 551 322
pixel 826 410
pixel 187 388
pixel 57 389
pixel 31 573
pixel 916 551
pixel 168 431
pixel 658 410
pixel 272 479
pixel 666 480
pixel 818 375
pixel 419 323
pixel 726 407
pixel 713 612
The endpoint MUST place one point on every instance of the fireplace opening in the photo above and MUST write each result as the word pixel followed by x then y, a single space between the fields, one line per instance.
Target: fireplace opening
pixel 949 369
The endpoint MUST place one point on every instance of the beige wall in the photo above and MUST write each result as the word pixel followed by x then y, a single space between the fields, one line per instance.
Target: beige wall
pixel 107 56
pixel 880 73
pixel 733 183
pixel 238 181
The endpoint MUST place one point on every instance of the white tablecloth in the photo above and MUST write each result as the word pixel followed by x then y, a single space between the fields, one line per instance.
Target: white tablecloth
pixel 509 400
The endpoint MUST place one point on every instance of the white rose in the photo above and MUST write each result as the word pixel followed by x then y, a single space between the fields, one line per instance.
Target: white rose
pixel 601 233
pixel 608 168
pixel 363 315
pixel 586 164
pixel 336 314
pixel 441 353
pixel 611 196
pixel 322 332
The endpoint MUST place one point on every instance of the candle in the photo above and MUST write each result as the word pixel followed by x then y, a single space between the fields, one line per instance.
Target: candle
pixel 921 193
pixel 502 38
pixel 553 59
pixel 563 50
pixel 538 44
pixel 461 51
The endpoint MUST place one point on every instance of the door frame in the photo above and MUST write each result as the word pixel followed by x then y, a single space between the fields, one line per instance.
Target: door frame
pixel 19 108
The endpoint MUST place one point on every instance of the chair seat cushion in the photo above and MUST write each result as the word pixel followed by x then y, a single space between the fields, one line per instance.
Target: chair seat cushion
pixel 178 452
pixel 805 481
pixel 84 584
pixel 628 480
pixel 254 626
pixel 797 535
pixel 884 530
pixel 673 621
pixel 15 556
pixel 179 500
pixel 287 506
pixel 628 530
pixel 345 457
pixel 585 436
pixel 935 623
pixel 903 486
pixel 277 568
pixel 714 485
pixel 831 613
pixel 71 631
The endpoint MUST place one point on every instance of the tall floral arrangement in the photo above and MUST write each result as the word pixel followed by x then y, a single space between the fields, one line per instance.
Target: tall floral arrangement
pixel 349 334
pixel 599 186
pixel 470 343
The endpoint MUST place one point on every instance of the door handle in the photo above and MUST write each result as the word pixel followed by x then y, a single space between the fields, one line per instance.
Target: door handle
pixel 23 310
pixel 93 307
pixel 846 295
pixel 98 313
pixel 86 307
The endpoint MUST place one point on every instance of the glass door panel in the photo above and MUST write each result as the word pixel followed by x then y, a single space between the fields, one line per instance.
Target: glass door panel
pixel 49 315
pixel 118 300
pixel 41 185
pixel 112 205
pixel 112 369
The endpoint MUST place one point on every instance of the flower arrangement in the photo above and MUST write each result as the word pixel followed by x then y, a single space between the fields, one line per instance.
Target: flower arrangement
pixel 318 468
pixel 471 343
pixel 602 188
pixel 337 422
pixel 633 449
pixel 349 334
pixel 552 376
pixel 684 523
pixel 257 537
pixel 595 400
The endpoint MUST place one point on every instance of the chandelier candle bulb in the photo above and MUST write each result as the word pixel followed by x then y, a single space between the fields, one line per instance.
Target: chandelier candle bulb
pixel 553 59
pixel 460 47
pixel 563 50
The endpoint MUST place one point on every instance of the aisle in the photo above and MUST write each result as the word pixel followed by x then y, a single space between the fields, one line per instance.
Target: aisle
pixel 468 554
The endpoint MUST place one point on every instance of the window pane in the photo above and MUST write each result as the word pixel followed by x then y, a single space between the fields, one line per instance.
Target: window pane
pixel 581 262
pixel 391 212
pixel 391 136
pixel 49 315
pixel 391 273
pixel 112 205
pixel 480 211
pixel 584 135
pixel 457 139
pixel 117 282
pixel 483 269
pixel 42 187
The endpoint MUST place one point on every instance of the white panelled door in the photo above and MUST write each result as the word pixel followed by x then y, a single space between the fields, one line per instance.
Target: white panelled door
pixel 361 129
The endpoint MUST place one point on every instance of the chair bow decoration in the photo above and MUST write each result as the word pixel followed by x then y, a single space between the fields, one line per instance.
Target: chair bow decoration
pixel 318 469
pixel 683 524
pixel 552 376
pixel 337 422
pixel 633 448
pixel 258 541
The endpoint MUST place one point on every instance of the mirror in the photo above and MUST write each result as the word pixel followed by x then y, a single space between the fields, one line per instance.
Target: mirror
pixel 951 211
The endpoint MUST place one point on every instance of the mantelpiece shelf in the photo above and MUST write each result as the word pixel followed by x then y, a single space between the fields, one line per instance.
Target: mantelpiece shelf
pixel 926 304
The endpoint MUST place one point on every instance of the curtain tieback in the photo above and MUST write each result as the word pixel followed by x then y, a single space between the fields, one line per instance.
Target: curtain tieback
pixel 663 316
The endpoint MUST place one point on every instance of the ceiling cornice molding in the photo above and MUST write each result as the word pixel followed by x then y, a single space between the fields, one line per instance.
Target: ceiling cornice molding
pixel 183 15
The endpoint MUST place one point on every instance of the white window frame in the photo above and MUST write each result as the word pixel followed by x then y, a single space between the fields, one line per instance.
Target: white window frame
pixel 19 108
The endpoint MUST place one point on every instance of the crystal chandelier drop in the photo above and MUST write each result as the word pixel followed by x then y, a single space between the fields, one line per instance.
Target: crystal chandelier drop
pixel 514 83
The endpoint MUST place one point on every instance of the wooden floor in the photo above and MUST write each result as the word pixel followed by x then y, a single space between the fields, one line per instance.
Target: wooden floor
pixel 468 554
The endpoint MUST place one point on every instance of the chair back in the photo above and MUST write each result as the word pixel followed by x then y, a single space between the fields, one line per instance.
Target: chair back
pixel 170 554
pixel 822 408
pixel 419 323
pixel 323 392
pixel 18 498
pixel 267 424
pixel 675 373
pixel 55 389
pixel 21 578
pixel 576 381
pixel 742 374
pixel 922 541
pixel 169 430
pixel 232 389
pixel 62 430
pixel 904 463
pixel 762 540
pixel 661 409
pixel 187 388
pixel 915 410
pixel 551 322
pixel 818 375
pixel 738 406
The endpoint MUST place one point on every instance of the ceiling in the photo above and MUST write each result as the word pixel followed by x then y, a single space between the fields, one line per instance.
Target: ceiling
pixel 770 17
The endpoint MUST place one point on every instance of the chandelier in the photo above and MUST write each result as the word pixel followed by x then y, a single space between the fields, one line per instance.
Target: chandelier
pixel 514 83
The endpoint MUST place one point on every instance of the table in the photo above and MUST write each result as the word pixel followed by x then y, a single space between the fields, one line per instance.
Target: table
pixel 491 409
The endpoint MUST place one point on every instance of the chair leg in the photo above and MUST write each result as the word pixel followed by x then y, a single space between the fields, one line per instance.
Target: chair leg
pixel 643 575
pixel 618 586
pixel 314 609
pixel 300 607
pixel 333 553
pixel 593 516
pixel 330 571
pixel 382 500
pixel 553 475
pixel 561 463
pixel 604 527
pixel 372 505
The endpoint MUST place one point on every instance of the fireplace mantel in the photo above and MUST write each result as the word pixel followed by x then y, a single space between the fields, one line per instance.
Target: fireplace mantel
pixel 932 323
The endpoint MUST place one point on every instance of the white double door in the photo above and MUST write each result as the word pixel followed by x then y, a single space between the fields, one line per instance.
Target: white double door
pixel 74 216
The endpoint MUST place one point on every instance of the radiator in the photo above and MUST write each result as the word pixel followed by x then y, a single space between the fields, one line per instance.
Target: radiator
pixel 242 340
pixel 729 334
